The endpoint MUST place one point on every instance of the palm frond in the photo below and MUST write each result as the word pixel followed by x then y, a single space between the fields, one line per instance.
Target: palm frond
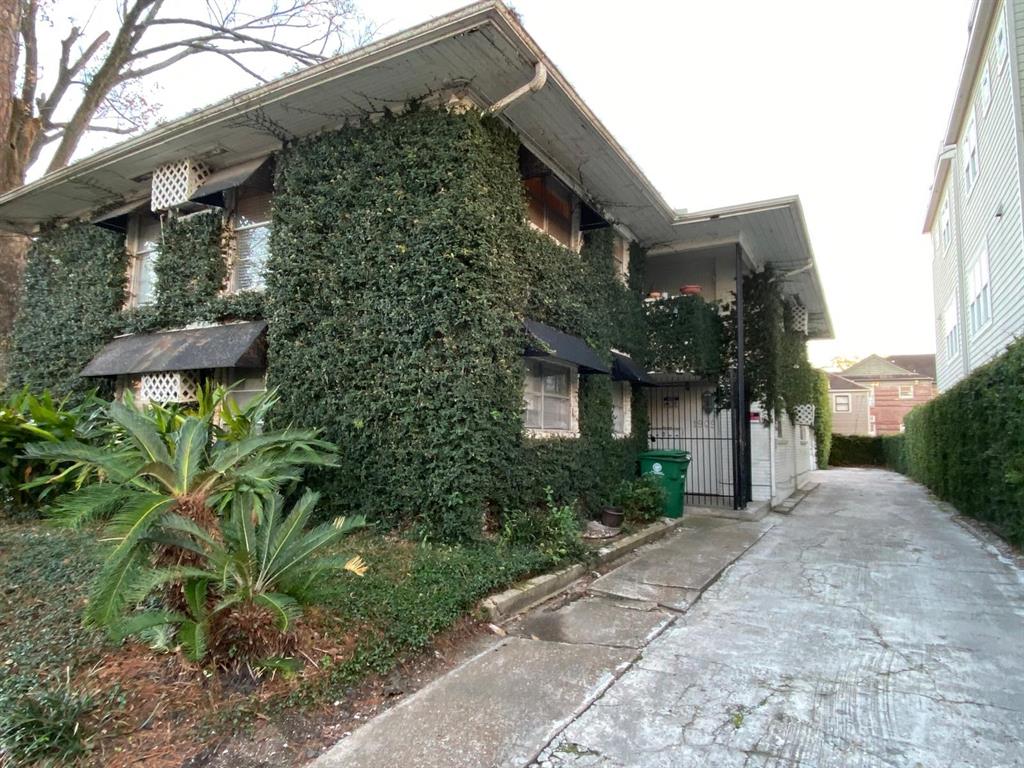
pixel 91 502
pixel 142 432
pixel 285 609
pixel 190 449
pixel 138 622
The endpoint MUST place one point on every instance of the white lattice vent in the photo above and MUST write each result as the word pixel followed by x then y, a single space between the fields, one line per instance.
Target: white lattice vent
pixel 803 415
pixel 169 387
pixel 800 319
pixel 175 183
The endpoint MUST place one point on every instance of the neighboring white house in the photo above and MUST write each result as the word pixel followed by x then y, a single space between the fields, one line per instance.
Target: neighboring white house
pixel 975 211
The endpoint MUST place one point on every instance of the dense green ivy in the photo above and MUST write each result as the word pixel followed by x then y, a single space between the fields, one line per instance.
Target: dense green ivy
pixel 967 445
pixel 686 333
pixel 777 372
pixel 191 272
pixel 74 288
pixel 402 269
pixel 822 419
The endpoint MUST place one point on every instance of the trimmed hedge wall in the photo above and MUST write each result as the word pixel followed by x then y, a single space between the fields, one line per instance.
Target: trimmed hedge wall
pixel 401 270
pixel 822 420
pixel 857 451
pixel 967 445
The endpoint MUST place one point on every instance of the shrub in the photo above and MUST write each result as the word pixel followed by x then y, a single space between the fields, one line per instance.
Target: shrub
pixel 967 445
pixel 194 522
pixel 25 419
pixel 553 530
pixel 857 451
pixel 642 500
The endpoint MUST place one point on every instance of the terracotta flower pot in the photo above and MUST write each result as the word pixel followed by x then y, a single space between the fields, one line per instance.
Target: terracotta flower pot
pixel 611 517
pixel 690 290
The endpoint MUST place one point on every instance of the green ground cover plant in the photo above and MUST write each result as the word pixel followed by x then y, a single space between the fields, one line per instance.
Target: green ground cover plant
pixel 856 451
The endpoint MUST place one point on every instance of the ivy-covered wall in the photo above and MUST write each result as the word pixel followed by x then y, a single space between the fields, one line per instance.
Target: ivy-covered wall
pixel 401 271
pixel 74 288
pixel 402 268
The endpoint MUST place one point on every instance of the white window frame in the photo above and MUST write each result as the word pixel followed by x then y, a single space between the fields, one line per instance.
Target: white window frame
pixel 846 403
pixel 620 253
pixel 1001 45
pixel 985 89
pixel 945 224
pixel 979 291
pixel 139 256
pixel 871 397
pixel 544 431
pixel 969 155
pixel 872 426
pixel 249 226
pixel 906 391
pixel 622 409
pixel 950 328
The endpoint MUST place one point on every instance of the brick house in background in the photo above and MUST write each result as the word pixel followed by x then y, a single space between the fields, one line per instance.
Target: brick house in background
pixel 849 400
pixel 895 385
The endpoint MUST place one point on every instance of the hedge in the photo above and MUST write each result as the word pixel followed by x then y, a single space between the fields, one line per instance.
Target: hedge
pixel 856 451
pixel 822 420
pixel 967 445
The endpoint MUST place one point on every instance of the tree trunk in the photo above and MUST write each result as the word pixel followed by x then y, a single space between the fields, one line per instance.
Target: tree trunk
pixel 18 130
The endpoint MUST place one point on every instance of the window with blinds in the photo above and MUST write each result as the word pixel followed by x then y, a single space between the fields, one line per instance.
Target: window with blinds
pixel 251 225
pixel 145 250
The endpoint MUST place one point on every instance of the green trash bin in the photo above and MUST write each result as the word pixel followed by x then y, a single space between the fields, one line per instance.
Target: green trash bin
pixel 670 468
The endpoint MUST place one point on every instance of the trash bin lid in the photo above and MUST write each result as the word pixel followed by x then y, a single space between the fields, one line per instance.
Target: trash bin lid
pixel 666 455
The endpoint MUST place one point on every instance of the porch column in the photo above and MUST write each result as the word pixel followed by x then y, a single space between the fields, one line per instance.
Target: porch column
pixel 742 412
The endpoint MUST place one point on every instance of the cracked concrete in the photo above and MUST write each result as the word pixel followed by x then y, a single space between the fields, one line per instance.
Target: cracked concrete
pixel 867 629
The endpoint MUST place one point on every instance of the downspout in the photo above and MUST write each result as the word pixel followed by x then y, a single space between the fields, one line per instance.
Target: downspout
pixel 540 76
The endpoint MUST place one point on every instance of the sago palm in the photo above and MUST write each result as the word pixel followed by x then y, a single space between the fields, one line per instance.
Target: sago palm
pixel 168 473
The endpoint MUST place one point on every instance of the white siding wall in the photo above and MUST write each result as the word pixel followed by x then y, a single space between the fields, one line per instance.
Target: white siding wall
pixel 761 447
pixel 998 187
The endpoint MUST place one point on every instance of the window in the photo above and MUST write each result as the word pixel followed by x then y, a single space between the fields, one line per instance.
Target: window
pixel 1001 47
pixel 841 404
pixel 949 328
pixel 550 208
pixel 871 426
pixel 145 249
pixel 247 388
pixel 969 155
pixel 985 90
pixel 620 252
pixel 622 402
pixel 871 397
pixel 946 224
pixel 979 294
pixel 906 391
pixel 550 391
pixel 251 221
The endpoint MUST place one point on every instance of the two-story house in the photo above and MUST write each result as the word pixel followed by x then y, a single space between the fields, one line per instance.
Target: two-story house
pixel 431 248
pixel 874 395
pixel 974 215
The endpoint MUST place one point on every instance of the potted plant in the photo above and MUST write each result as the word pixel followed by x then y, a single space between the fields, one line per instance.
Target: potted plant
pixel 612 514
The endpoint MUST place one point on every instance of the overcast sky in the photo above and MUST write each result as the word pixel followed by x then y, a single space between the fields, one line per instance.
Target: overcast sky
pixel 732 101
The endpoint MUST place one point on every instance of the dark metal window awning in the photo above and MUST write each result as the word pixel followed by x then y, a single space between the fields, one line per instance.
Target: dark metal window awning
pixel 561 346
pixel 234 345
pixel 624 369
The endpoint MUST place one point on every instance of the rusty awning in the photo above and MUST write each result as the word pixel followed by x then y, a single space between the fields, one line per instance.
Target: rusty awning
pixel 234 345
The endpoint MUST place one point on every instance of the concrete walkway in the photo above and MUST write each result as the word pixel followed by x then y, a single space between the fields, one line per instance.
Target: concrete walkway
pixel 866 629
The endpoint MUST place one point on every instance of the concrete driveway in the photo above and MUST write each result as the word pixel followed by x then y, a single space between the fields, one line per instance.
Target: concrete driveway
pixel 865 629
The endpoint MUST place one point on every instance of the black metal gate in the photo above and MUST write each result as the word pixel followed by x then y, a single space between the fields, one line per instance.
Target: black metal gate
pixel 686 416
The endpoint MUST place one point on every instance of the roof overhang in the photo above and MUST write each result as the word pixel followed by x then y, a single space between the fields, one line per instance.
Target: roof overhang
pixel 772 234
pixel 984 13
pixel 481 51
pixel 234 345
